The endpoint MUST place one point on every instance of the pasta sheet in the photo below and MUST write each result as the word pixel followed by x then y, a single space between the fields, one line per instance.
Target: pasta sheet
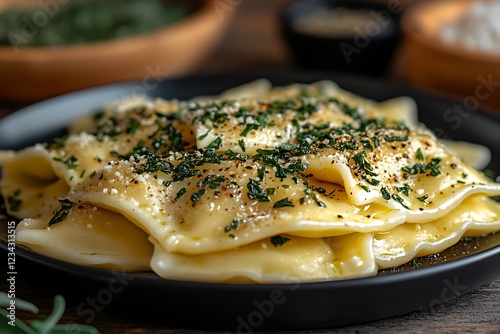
pixel 259 184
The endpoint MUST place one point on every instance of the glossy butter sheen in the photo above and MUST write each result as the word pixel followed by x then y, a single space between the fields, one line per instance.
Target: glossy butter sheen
pixel 205 190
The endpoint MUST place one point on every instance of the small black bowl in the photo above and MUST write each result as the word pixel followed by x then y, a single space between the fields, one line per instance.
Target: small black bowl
pixel 368 49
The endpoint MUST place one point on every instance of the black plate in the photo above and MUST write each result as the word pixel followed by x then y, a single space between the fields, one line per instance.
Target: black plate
pixel 247 307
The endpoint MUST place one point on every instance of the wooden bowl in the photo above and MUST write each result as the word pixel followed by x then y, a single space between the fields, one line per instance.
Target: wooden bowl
pixel 34 73
pixel 431 64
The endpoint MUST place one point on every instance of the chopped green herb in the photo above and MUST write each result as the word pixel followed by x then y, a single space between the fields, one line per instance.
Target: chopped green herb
pixel 203 136
pixel 255 191
pixel 59 142
pixel 400 200
pixel 423 198
pixel 283 203
pixel 433 166
pixel 343 146
pixel 249 127
pixel 241 143
pixel 261 173
pixel 415 169
pixel 195 197
pixel 366 144
pixel 401 126
pixel 181 192
pixel 489 173
pixel 213 181
pixel 71 162
pixel 359 158
pixel 233 225
pixel 395 138
pixel 311 194
pixel 99 115
pixel 153 163
pixel 132 126
pixel 419 155
pixel 385 194
pixel 215 145
pixel 405 190
pixel 183 170
pixel 270 191
pixel 373 182
pixel 287 147
pixel 279 240
pixel 353 112
pixel 62 212
pixel 266 153
pixel 235 156
pixel 14 202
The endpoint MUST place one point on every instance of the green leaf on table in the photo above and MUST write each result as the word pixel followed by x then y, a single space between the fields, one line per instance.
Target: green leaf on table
pixel 20 304
pixel 42 325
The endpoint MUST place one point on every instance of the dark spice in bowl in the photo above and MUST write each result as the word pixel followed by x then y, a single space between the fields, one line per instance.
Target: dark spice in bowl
pixel 352 36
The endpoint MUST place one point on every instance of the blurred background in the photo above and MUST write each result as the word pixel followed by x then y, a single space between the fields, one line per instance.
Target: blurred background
pixel 50 47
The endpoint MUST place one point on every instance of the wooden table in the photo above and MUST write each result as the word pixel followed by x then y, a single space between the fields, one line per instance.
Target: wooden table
pixel 259 46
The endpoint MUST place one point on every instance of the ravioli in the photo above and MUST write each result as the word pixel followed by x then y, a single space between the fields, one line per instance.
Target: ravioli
pixel 259 184
pixel 90 236
pixel 224 205
pixel 476 216
pixel 408 170
pixel 299 259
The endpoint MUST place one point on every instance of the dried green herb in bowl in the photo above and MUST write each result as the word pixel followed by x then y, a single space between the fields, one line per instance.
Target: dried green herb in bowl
pixel 82 21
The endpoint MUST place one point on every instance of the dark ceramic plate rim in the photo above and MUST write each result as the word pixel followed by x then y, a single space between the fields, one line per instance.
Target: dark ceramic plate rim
pixel 290 314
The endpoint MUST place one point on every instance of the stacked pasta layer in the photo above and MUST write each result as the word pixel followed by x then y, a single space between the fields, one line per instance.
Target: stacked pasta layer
pixel 262 184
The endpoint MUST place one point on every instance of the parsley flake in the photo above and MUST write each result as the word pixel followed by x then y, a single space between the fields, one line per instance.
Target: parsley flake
pixel 419 155
pixel 283 203
pixel 241 143
pixel 385 194
pixel 255 191
pixel 423 198
pixel 215 145
pixel 62 212
pixel 195 197
pixel 279 240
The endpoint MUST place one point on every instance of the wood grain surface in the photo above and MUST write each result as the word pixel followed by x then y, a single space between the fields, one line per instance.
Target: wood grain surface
pixel 254 42
pixel 475 312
